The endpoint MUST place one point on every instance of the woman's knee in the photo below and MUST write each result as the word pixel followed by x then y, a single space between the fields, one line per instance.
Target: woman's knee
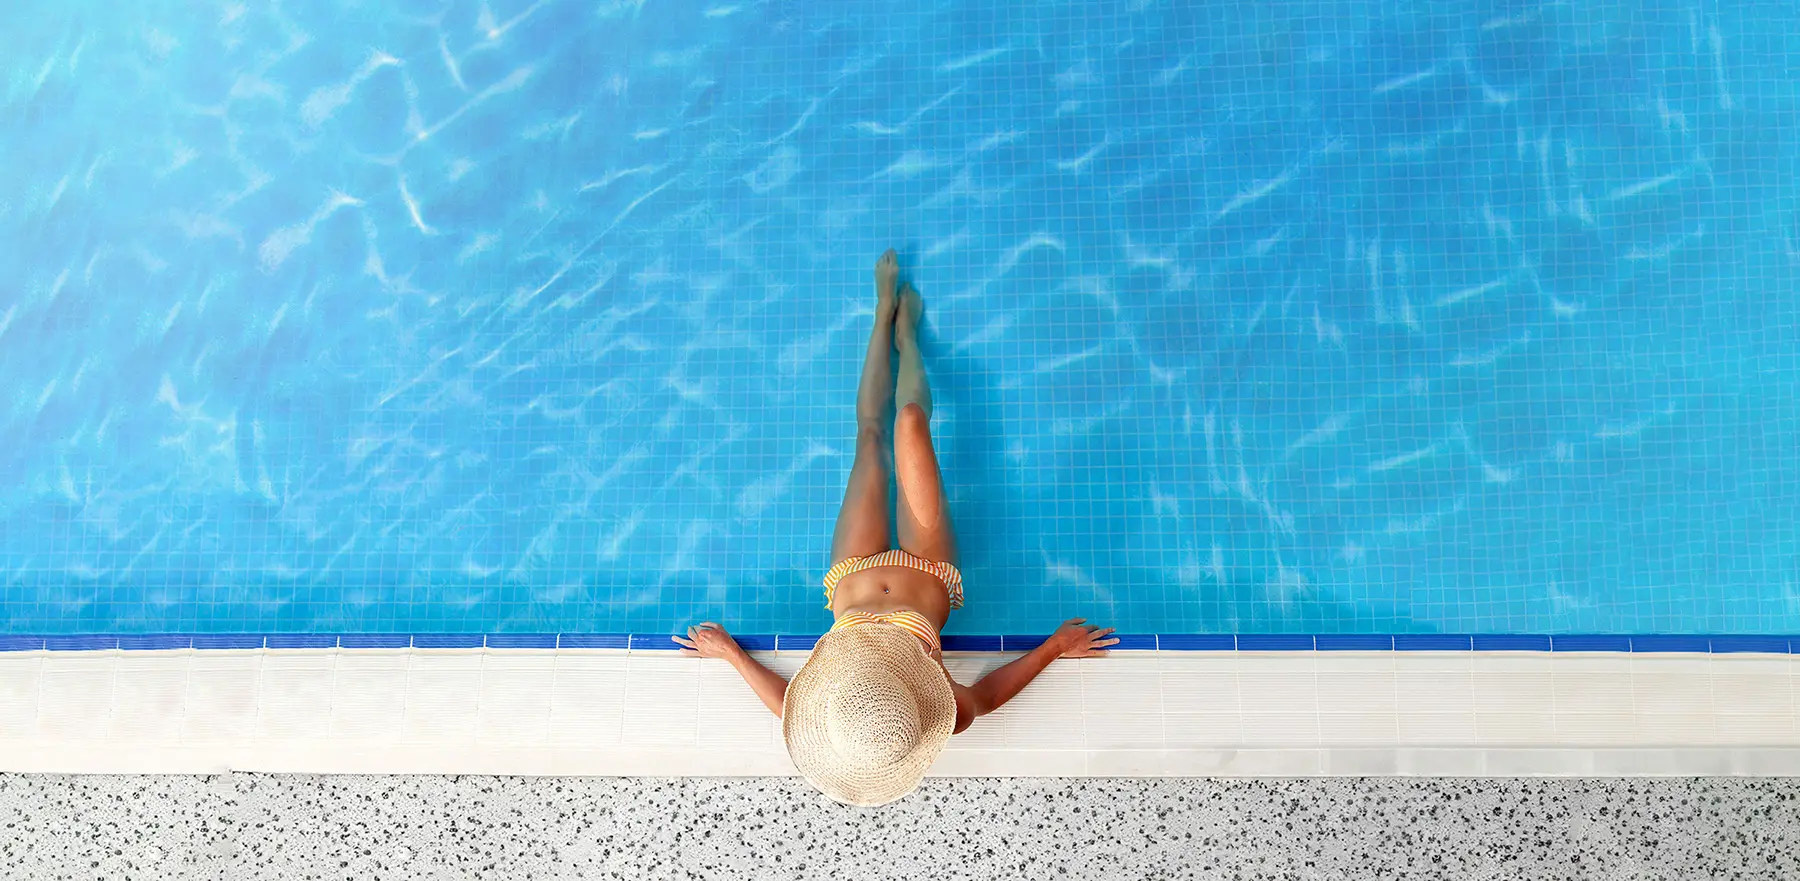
pixel 912 418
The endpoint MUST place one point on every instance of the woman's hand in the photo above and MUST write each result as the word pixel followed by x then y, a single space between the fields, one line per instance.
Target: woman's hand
pixel 708 640
pixel 1079 639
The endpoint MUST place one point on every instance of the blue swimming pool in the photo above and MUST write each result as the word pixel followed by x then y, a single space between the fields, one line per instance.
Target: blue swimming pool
pixel 520 317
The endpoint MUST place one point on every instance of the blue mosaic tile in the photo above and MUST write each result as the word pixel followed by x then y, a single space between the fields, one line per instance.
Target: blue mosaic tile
pixel 1670 643
pixel 215 641
pixel 1352 642
pixel 1589 643
pixel 448 641
pixel 796 642
pixel 1433 642
pixel 375 641
pixel 21 643
pixel 964 643
pixel 300 641
pixel 521 641
pixel 756 642
pixel 1511 642
pixel 86 643
pixel 1196 642
pixel 155 642
pixel 1725 645
pixel 1274 642
pixel 594 641
pixel 654 642
pixel 1022 642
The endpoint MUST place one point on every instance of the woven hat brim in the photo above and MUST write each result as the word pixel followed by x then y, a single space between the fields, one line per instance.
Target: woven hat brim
pixel 803 713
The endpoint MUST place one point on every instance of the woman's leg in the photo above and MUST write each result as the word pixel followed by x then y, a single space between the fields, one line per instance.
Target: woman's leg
pixel 862 524
pixel 924 518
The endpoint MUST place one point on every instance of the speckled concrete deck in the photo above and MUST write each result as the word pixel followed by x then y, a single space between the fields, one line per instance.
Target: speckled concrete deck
pixel 297 827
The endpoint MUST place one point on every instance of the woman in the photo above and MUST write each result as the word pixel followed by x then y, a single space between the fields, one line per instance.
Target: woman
pixel 873 705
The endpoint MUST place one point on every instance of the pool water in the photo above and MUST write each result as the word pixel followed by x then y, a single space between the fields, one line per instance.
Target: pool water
pixel 515 317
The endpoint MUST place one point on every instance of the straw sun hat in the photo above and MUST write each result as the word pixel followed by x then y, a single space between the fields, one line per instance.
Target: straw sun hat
pixel 867 714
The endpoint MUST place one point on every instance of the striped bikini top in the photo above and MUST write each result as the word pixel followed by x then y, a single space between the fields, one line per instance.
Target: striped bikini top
pixel 906 619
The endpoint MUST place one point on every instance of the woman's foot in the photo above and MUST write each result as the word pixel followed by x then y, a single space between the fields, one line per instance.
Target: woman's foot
pixel 887 272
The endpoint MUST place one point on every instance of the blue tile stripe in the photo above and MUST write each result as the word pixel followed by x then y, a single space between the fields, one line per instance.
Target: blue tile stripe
pixel 375 641
pixel 80 643
pixel 1576 642
pixel 593 641
pixel 1511 642
pixel 791 642
pixel 1176 642
pixel 1670 643
pixel 1352 642
pixel 155 642
pixel 1433 642
pixel 756 642
pixel 300 641
pixel 521 641
pixel 215 641
pixel 1726 645
pixel 1197 642
pixel 447 641
pixel 1274 642
pixel 954 642
pixel 1023 642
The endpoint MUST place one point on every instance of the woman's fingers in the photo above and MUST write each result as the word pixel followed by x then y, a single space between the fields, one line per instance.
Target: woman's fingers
pixel 687 642
pixel 1107 642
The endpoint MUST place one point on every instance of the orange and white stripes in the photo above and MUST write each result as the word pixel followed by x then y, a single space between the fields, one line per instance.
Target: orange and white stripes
pixel 945 572
pixel 906 619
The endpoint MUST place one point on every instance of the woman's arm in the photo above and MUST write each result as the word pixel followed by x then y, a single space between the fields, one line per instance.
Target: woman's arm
pixel 1075 639
pixel 767 683
pixel 709 640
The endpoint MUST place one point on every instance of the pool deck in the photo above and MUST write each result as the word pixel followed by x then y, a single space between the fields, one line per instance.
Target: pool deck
pixel 1134 713
pixel 293 827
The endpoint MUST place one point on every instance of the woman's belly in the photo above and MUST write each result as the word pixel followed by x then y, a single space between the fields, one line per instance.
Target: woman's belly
pixel 890 589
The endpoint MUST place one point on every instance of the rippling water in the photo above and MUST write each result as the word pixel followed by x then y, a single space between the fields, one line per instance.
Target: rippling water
pixel 514 316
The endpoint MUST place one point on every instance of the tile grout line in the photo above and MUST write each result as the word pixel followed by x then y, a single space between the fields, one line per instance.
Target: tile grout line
pixel 405 694
pixel 1318 708
pixel 112 692
pixel 1556 724
pixel 1636 728
pixel 1475 717
pixel 331 695
pixel 1237 692
pixel 1087 755
pixel 624 692
pixel 262 671
pixel 1162 703
pixel 480 686
pixel 1713 725
pixel 699 717
pixel 37 709
pixel 550 702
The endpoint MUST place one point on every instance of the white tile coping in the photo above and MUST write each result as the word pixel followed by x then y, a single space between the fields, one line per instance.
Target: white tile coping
pixel 612 712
